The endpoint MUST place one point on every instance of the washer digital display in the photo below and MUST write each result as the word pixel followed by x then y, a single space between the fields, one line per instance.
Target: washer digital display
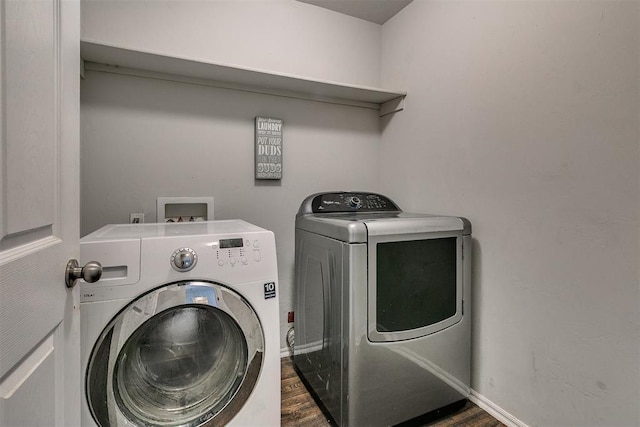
pixel 231 243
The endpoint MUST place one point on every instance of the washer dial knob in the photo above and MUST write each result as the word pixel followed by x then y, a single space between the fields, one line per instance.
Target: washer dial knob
pixel 184 259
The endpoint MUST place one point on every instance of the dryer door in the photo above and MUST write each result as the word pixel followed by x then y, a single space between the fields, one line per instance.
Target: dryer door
pixel 415 283
pixel 185 354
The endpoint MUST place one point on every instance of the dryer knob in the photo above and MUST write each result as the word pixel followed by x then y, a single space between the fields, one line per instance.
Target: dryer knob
pixel 184 259
pixel 354 202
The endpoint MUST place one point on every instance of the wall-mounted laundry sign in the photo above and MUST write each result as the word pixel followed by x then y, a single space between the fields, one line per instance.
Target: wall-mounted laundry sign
pixel 268 154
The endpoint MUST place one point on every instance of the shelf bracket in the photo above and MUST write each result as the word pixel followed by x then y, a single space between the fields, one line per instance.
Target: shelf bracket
pixel 392 106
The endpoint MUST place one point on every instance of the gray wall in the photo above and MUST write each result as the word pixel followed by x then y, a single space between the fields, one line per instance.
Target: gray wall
pixel 524 116
pixel 144 138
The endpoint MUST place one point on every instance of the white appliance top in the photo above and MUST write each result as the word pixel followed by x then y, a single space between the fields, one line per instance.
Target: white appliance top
pixel 139 257
pixel 170 229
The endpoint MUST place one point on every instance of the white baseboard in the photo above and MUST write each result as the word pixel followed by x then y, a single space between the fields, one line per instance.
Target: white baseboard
pixel 285 352
pixel 495 411
pixel 485 404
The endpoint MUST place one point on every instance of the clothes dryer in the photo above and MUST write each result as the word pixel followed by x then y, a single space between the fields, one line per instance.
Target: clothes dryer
pixel 182 329
pixel 382 311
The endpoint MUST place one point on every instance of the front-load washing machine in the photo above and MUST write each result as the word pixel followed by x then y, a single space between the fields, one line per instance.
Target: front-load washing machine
pixel 182 328
pixel 382 325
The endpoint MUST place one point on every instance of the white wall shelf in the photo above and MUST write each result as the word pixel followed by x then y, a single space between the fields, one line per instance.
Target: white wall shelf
pixel 107 58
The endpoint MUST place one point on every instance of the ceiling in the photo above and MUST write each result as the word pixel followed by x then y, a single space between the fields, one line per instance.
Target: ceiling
pixel 378 11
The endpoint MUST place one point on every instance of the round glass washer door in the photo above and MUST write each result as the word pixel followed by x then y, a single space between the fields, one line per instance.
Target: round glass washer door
pixel 186 354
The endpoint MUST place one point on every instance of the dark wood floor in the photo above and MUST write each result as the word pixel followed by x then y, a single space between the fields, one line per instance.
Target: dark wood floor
pixel 299 408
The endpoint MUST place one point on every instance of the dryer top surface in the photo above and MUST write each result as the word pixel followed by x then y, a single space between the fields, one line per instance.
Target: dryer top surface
pixel 352 216
pixel 357 227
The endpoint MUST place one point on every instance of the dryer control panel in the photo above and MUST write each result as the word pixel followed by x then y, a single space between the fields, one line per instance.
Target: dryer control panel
pixel 347 201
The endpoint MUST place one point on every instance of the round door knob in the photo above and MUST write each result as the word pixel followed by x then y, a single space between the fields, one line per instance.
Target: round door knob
pixel 90 273
pixel 184 259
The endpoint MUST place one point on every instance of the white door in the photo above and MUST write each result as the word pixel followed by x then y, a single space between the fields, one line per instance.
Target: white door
pixel 39 212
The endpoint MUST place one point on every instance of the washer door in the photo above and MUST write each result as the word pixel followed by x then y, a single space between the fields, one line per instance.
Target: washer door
pixel 185 354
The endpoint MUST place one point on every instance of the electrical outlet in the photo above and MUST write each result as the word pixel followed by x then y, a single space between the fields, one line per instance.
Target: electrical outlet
pixel 136 218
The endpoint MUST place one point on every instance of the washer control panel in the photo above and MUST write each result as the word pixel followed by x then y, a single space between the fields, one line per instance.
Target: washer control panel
pixel 345 201
pixel 184 259
pixel 233 252
pixel 237 252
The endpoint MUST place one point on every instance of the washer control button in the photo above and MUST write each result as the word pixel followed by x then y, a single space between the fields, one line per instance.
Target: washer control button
pixel 220 262
pixel 184 259
pixel 256 244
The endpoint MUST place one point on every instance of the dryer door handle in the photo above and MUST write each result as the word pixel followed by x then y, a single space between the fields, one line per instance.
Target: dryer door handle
pixel 90 273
